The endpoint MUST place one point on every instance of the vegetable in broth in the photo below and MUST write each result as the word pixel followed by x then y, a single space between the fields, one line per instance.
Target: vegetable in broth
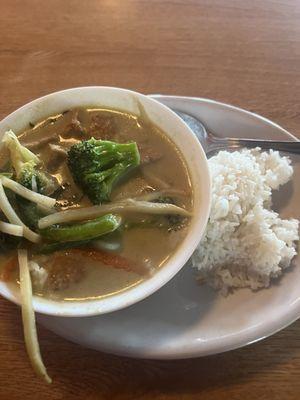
pixel 101 157
pixel 94 201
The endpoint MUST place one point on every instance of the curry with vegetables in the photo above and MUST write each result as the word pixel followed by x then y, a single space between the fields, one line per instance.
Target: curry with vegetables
pixel 92 202
pixel 100 185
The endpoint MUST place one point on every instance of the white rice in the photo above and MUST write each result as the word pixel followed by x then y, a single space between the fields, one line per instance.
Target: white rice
pixel 246 244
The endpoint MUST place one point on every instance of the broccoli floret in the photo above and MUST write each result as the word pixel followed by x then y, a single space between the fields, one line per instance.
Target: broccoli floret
pixel 96 166
pixel 26 166
pixel 26 172
pixel 37 180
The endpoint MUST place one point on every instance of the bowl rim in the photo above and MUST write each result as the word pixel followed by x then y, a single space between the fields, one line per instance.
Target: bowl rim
pixel 91 307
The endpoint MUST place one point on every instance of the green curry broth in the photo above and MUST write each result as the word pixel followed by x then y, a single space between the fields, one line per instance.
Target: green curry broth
pixel 148 247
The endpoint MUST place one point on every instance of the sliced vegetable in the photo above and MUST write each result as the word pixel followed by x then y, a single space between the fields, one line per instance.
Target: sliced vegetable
pixel 110 259
pixel 129 205
pixel 6 174
pixel 113 260
pixel 27 193
pixel 7 209
pixel 162 193
pixel 84 231
pixel 84 254
pixel 174 222
pixel 13 218
pixel 30 333
pixel 11 229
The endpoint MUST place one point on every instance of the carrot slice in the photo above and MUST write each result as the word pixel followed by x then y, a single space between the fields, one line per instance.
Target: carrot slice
pixel 113 260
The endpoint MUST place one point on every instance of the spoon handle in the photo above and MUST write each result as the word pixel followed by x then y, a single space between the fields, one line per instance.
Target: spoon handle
pixel 218 144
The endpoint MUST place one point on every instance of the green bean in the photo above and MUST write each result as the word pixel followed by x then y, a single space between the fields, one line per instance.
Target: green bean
pixel 85 231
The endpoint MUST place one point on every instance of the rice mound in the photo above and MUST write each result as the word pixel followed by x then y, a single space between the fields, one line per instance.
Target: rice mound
pixel 246 244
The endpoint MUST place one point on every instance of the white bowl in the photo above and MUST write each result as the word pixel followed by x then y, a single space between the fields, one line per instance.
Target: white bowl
pixel 195 159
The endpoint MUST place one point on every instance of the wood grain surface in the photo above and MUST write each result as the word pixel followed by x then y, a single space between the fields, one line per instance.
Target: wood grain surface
pixel 245 53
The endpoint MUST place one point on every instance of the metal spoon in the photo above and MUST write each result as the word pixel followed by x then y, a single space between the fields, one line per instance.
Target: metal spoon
pixel 211 143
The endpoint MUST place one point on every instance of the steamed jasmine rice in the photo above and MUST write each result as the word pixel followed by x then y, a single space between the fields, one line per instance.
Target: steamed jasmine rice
pixel 246 244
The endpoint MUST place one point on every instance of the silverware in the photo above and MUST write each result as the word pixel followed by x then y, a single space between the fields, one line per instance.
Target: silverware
pixel 211 143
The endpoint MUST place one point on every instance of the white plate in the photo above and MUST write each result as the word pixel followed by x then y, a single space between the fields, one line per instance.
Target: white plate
pixel 184 320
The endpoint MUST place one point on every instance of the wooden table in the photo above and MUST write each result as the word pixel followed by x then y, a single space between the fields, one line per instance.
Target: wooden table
pixel 240 52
